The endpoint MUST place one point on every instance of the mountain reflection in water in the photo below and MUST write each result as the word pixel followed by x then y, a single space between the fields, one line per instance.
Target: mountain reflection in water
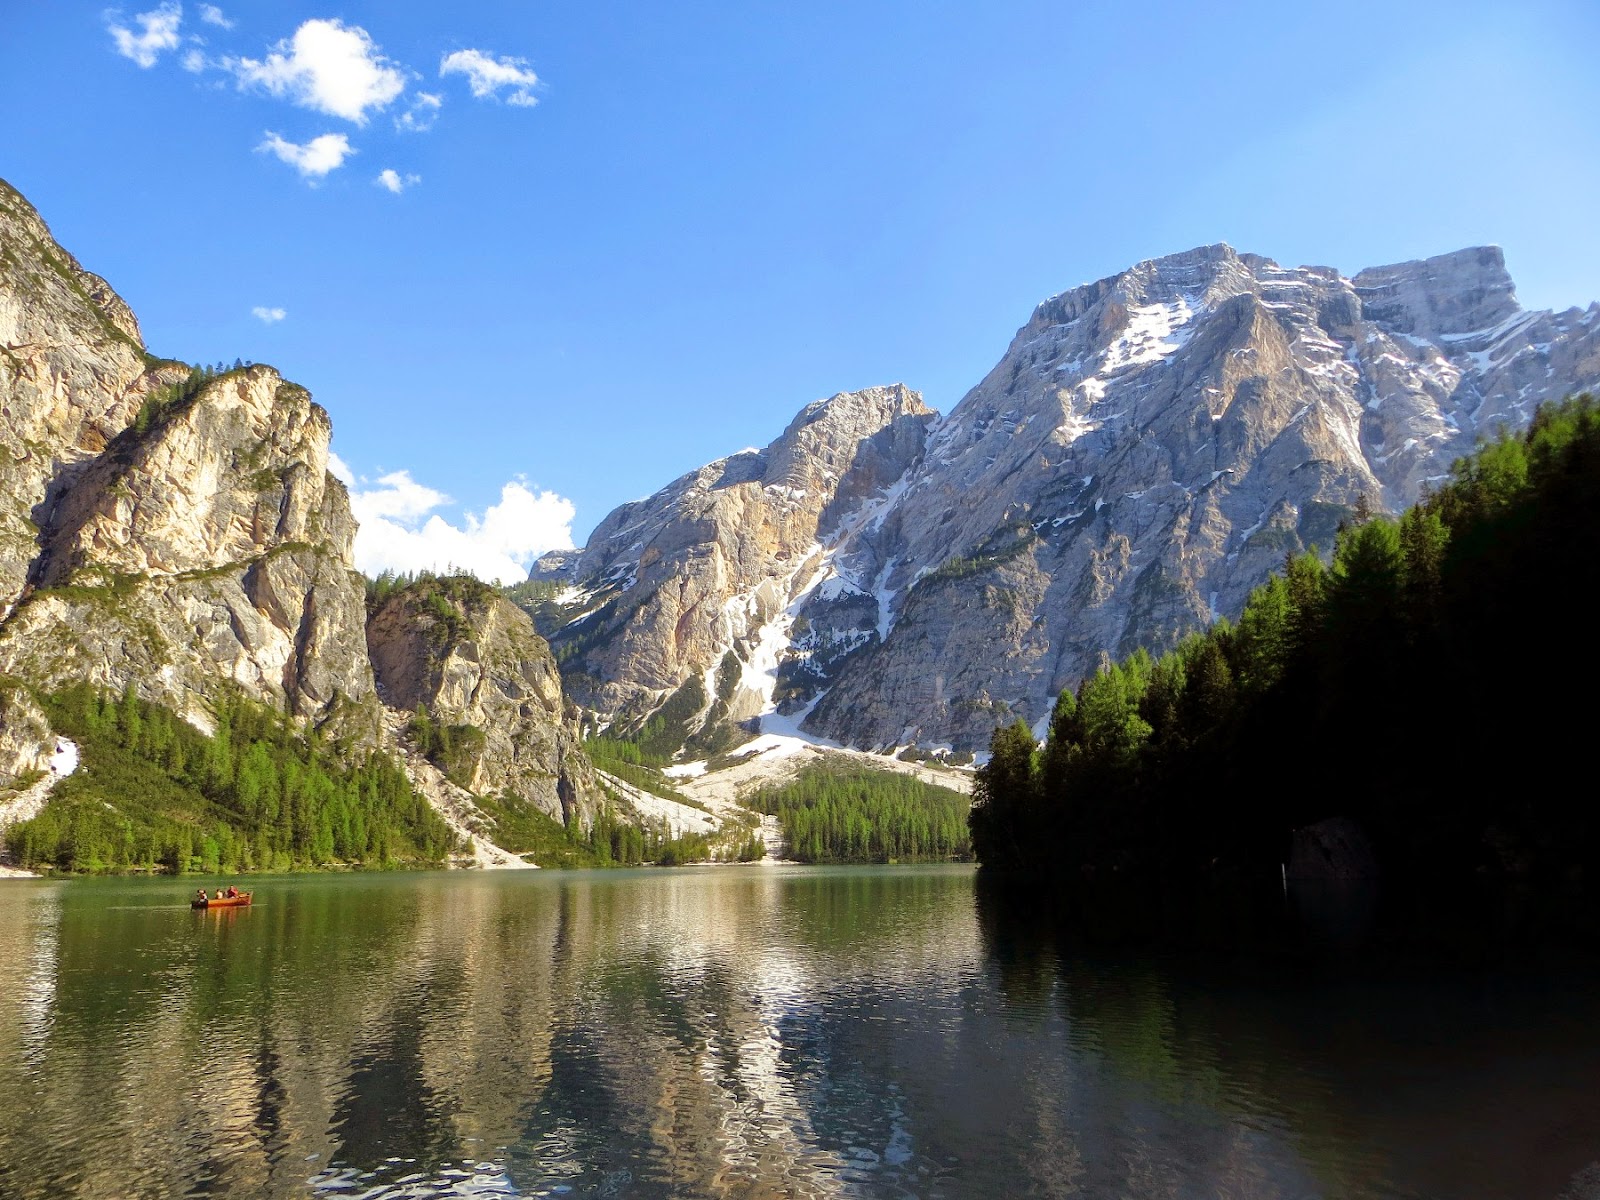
pixel 741 1032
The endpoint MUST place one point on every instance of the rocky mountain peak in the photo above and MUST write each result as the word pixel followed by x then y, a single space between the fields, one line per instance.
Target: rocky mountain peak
pixel 668 603
pixel 842 418
pixel 1151 446
pixel 29 245
pixel 848 447
pixel 1449 294
pixel 73 373
pixel 162 526
pixel 1199 276
pixel 174 531
pixel 827 436
pixel 224 474
pixel 205 549
pixel 1148 448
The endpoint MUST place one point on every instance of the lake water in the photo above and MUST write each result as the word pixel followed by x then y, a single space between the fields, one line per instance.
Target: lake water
pixel 742 1031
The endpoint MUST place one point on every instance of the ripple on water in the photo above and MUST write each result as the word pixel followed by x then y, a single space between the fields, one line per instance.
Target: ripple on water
pixel 401 1181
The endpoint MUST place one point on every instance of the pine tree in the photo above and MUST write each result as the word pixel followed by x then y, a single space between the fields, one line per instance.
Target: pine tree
pixel 1005 799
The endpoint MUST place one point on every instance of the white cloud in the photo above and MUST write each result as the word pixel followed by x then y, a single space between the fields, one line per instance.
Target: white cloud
pixel 400 531
pixel 158 31
pixel 419 118
pixel 399 497
pixel 326 66
pixel 212 15
pixel 314 159
pixel 193 61
pixel 340 470
pixel 487 75
pixel 394 181
pixel 268 316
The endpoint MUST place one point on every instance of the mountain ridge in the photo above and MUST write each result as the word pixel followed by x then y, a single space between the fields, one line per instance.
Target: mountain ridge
pixel 1147 448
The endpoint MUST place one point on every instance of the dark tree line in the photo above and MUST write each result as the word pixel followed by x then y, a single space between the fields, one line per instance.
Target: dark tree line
pixel 1431 684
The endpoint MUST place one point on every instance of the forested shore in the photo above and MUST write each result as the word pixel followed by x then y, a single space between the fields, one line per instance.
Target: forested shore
pixel 262 792
pixel 258 793
pixel 1428 688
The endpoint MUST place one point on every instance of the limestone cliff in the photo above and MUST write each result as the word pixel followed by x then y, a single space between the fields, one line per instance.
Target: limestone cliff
pixel 1152 445
pixel 206 545
pixel 685 600
pixel 73 372
pixel 162 527
pixel 489 684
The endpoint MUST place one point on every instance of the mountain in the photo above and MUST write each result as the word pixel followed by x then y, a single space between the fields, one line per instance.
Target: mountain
pixel 682 605
pixel 164 527
pixel 1147 450
pixel 174 531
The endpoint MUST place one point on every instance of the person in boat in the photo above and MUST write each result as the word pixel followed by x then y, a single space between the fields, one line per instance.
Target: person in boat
pixel 233 892
pixel 200 895
pixel 219 893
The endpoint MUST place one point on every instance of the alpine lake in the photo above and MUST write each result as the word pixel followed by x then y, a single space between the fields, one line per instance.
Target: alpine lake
pixel 750 1031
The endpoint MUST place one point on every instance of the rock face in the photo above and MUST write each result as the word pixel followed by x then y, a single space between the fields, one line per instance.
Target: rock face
pixel 179 533
pixel 26 740
pixel 472 658
pixel 160 527
pixel 1146 452
pixel 72 374
pixel 210 546
pixel 690 597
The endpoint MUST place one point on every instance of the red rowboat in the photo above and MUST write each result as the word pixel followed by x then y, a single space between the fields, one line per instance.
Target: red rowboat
pixel 242 900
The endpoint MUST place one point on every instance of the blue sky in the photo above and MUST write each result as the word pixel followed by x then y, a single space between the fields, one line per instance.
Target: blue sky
pixel 621 239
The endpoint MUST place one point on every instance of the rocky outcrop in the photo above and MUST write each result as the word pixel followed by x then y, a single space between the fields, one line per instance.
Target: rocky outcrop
pixel 1152 445
pixel 27 742
pixel 206 546
pixel 73 372
pixel 161 528
pixel 686 600
pixel 32 761
pixel 1148 449
pixel 458 649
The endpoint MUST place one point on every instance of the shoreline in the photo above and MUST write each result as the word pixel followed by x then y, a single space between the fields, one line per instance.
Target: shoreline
pixel 456 869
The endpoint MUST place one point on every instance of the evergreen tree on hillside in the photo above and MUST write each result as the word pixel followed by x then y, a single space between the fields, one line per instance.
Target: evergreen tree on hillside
pixel 832 815
pixel 1006 806
pixel 1378 687
pixel 257 794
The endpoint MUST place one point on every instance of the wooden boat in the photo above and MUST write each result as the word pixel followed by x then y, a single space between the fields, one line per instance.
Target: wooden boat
pixel 242 900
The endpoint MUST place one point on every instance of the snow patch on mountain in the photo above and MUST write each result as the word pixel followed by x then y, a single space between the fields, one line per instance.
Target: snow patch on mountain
pixel 1153 332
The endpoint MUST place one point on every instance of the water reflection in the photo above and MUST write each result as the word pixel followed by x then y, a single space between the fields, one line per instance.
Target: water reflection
pixel 737 1032
pixel 1336 1077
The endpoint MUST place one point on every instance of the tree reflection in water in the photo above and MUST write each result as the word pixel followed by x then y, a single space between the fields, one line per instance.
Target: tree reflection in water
pixel 742 1032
